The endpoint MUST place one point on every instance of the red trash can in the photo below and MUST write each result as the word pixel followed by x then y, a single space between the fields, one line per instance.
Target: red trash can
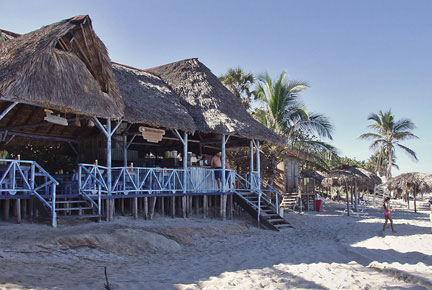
pixel 318 203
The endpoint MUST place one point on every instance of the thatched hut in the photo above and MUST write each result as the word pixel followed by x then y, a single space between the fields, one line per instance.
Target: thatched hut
pixel 212 106
pixel 148 100
pixel 351 177
pixel 411 182
pixel 63 66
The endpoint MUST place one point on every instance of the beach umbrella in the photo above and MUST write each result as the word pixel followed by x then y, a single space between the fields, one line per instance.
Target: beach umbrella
pixel 315 174
pixel 411 182
pixel 356 177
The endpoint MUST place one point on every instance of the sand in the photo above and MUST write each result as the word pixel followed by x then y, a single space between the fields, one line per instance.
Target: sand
pixel 324 250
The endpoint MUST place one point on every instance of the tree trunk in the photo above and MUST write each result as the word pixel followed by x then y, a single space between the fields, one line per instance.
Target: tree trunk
pixel 347 200
pixel 415 206
pixel 390 163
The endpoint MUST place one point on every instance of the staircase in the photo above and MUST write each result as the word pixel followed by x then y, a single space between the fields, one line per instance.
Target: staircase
pixel 268 216
pixel 289 201
pixel 75 207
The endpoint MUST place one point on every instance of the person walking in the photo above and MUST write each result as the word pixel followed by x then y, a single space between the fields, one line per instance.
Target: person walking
pixel 387 214
pixel 430 214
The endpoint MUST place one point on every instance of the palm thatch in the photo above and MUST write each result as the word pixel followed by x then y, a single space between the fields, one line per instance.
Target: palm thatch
pixel 212 106
pixel 351 176
pixel 150 101
pixel 62 66
pixel 408 182
pixel 315 174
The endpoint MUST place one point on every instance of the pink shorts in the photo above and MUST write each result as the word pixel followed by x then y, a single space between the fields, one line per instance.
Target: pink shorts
pixel 386 212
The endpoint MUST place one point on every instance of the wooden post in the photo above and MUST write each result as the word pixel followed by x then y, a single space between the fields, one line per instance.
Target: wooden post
pixel 223 179
pixel 251 161
pixel 162 201
pixel 173 207
pixel 146 208
pixel 18 210
pixel 355 197
pixel 185 157
pixel 6 206
pixel 135 207
pixel 415 199
pixel 205 206
pixel 347 199
pixel 122 206
pixel 152 206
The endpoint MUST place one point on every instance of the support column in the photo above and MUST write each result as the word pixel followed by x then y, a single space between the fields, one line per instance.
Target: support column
pixel 223 179
pixel 125 153
pixel 185 157
pixel 108 133
pixel 258 164
pixel 110 207
pixel 251 161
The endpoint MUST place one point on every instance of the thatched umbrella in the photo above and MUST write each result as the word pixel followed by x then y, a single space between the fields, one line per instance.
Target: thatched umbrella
pixel 411 182
pixel 62 66
pixel 212 106
pixel 346 176
pixel 315 174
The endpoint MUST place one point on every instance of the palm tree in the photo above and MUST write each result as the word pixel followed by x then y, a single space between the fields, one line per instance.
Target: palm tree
pixel 285 114
pixel 387 137
pixel 239 83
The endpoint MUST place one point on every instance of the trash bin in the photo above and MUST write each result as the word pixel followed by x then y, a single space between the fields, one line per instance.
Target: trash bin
pixel 318 203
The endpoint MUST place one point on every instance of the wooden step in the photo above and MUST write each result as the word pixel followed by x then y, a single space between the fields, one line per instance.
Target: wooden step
pixel 73 208
pixel 83 216
pixel 70 201
pixel 276 220
pixel 281 226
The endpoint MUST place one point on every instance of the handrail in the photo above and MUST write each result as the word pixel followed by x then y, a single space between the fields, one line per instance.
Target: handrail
pixel 25 182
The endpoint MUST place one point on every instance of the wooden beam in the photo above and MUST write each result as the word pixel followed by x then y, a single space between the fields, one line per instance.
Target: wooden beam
pixel 42 137
pixel 7 128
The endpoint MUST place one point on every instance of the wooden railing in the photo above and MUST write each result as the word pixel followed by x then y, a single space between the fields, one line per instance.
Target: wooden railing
pixel 23 178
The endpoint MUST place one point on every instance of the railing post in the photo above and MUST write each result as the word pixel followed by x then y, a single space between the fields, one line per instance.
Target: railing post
pixel 99 199
pixel 185 157
pixel 251 162
pixel 258 164
pixel 259 208
pixel 79 178
pixel 54 214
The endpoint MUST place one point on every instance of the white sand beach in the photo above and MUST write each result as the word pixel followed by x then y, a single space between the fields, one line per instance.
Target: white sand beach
pixel 324 250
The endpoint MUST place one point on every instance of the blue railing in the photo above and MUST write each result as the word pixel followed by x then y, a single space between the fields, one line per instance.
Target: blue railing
pixel 23 178
pixel 92 181
pixel 254 184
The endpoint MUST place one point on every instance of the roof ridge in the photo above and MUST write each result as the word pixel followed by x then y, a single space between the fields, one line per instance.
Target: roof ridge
pixel 159 66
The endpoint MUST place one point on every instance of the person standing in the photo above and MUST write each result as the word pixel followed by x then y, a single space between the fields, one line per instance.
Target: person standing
pixel 387 214
pixel 216 163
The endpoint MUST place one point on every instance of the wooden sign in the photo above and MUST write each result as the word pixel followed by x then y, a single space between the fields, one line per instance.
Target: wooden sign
pixel 151 134
pixel 55 119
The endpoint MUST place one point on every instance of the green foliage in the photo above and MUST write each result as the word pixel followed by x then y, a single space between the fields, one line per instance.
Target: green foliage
pixel 387 137
pixel 285 113
pixel 240 84
pixel 51 158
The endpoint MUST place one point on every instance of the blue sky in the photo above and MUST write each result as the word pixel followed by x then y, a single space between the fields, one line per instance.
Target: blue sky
pixel 358 56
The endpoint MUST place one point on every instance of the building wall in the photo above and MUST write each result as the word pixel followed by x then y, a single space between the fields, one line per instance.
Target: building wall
pixel 292 174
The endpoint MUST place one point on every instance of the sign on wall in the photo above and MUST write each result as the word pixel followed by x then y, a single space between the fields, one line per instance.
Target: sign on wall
pixel 151 134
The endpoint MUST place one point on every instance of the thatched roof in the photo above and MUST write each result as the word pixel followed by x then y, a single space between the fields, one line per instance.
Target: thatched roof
pixel 315 174
pixel 351 176
pixel 407 181
pixel 212 106
pixel 62 66
pixel 150 101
